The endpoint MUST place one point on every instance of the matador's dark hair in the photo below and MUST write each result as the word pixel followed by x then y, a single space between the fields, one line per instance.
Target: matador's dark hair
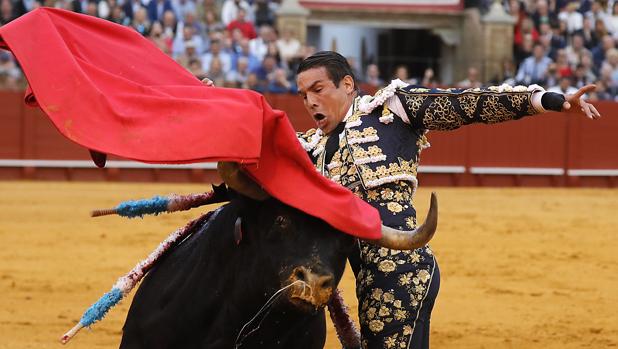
pixel 337 66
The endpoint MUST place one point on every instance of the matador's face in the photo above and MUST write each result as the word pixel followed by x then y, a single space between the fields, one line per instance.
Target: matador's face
pixel 326 103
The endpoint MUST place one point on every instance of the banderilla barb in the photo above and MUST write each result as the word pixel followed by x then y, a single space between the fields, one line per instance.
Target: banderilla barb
pixel 161 204
pixel 125 284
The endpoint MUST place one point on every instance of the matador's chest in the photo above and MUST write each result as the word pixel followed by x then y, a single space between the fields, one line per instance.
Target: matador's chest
pixel 372 152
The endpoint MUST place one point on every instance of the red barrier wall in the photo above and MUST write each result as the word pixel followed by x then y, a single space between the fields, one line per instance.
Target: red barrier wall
pixel 550 141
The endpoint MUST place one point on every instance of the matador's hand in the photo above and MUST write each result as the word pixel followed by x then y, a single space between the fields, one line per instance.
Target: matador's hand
pixel 576 103
pixel 208 82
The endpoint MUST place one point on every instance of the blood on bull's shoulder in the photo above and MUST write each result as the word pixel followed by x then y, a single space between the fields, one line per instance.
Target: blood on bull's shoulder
pixel 256 275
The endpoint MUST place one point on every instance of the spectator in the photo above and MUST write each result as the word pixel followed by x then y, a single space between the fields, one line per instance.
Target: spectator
pixel 533 69
pixel 182 7
pixel 565 86
pixel 252 61
pixel 238 77
pixel 582 76
pixel 9 73
pixel 573 19
pixel 472 80
pixel 273 50
pixel 264 12
pixel 591 71
pixel 140 22
pixel 600 29
pixel 158 37
pixel 401 73
pixel 526 31
pixel 92 9
pixel 507 74
pixel 6 12
pixel 575 51
pixel 216 72
pixel 597 13
pixel 130 7
pixel 610 67
pixel 553 77
pixel 104 8
pixel 233 40
pixel 602 92
pixel 612 20
pixel 265 73
pixel 229 11
pixel 289 46
pixel 588 34
pixel 259 45
pixel 217 52
pixel 372 76
pixel 280 83
pixel 195 67
pixel 542 15
pixel 170 24
pixel 253 83
pixel 156 9
pixel 190 20
pixel 429 78
pixel 598 53
pixel 246 28
pixel 562 64
pixel 190 53
pixel 187 36
pixel 524 51
pixel 212 23
pixel 117 16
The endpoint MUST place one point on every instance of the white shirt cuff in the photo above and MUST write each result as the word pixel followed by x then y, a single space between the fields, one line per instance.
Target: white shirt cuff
pixel 537 95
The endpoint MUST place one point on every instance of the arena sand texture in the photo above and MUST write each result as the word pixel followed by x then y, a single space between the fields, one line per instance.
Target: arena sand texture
pixel 521 268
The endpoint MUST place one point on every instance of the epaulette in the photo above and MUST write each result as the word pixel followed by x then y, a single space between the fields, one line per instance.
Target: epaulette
pixel 368 103
pixel 310 138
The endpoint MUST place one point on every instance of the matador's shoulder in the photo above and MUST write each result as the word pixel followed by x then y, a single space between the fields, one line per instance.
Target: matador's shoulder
pixel 310 138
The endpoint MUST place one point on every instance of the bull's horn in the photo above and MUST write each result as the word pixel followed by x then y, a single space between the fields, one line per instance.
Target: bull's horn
pixel 233 176
pixel 409 240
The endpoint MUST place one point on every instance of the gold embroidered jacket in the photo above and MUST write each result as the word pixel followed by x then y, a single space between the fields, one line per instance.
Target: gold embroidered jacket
pixel 380 146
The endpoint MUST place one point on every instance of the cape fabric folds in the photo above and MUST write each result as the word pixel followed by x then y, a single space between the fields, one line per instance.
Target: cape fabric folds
pixel 107 88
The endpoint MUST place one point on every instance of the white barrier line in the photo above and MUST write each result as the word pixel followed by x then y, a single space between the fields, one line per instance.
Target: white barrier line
pixel 109 164
pixel 592 173
pixel 533 171
pixel 441 169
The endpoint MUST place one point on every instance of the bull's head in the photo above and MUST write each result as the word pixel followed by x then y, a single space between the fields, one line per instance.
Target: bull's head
pixel 315 263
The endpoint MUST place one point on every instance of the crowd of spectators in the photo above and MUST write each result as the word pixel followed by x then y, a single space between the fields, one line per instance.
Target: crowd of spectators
pixel 233 42
pixel 564 45
pixel 559 44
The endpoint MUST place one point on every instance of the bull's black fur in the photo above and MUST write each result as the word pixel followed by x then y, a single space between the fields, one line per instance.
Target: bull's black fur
pixel 202 293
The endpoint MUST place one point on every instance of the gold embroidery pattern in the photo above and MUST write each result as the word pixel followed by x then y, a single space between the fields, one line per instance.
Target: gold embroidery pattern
pixel 468 104
pixel 493 111
pixel 517 100
pixel 441 115
pixel 415 102
pixel 410 222
pixel 365 133
pixel 372 178
pixel 372 154
pixel 381 307
pixel 416 90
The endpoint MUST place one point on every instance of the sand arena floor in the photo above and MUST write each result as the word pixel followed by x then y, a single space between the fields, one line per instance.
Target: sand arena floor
pixel 521 268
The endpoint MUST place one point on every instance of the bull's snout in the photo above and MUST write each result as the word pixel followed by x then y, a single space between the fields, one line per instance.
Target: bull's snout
pixel 310 288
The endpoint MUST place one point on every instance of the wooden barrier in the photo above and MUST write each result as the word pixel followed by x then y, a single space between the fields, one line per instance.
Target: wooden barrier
pixel 545 150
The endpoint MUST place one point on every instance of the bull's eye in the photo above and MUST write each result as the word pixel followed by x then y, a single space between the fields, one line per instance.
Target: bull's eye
pixel 282 222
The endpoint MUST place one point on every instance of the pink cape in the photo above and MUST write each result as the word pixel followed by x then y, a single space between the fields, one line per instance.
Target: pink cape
pixel 107 88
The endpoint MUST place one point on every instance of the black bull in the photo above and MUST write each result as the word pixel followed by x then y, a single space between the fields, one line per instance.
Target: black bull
pixel 267 291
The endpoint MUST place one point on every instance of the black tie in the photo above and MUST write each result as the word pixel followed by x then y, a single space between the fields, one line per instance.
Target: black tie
pixel 332 144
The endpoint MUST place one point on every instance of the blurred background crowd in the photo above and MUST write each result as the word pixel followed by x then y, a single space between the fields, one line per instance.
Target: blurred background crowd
pixel 561 45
